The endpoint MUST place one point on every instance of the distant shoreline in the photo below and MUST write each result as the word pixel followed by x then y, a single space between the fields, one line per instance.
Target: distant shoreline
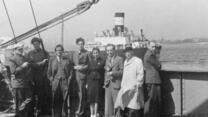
pixel 185 52
pixel 199 43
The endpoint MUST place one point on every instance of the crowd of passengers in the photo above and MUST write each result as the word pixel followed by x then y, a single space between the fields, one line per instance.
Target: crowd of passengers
pixel 66 86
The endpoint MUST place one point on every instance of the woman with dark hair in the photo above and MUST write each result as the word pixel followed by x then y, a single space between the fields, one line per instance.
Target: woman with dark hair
pixel 95 67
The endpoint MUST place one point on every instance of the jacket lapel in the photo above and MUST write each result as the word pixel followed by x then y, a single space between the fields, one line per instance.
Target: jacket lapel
pixel 108 64
pixel 129 62
pixel 55 65
pixel 115 59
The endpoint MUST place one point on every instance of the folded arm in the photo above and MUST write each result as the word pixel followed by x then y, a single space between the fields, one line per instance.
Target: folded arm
pixel 14 68
pixel 154 62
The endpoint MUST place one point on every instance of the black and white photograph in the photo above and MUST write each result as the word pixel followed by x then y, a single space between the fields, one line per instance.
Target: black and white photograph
pixel 103 58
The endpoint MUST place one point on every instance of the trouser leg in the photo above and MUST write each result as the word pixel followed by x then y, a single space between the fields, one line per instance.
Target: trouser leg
pixel 26 105
pixel 33 102
pixel 39 94
pixel 109 104
pixel 82 97
pixel 57 102
pixel 153 102
pixel 117 112
pixel 23 97
pixel 73 96
pixel 17 101
pixel 46 107
pixel 134 113
pixel 65 95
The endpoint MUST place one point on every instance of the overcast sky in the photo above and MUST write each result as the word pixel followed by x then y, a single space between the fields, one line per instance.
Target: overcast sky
pixel 170 19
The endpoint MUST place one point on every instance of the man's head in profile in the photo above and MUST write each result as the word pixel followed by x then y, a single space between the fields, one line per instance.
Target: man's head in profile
pixel 151 46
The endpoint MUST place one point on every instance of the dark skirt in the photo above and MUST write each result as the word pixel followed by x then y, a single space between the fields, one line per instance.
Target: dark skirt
pixel 93 90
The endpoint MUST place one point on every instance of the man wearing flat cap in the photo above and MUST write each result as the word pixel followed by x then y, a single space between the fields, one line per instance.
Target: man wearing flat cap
pixel 20 81
pixel 38 58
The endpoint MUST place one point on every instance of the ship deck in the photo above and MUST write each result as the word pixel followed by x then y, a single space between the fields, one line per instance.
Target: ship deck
pixel 184 89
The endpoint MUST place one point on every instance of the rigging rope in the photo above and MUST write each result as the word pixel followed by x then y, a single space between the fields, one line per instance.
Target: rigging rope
pixel 62 31
pixel 14 37
pixel 81 8
pixel 34 17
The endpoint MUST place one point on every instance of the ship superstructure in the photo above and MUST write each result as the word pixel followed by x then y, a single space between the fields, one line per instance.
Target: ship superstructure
pixel 119 36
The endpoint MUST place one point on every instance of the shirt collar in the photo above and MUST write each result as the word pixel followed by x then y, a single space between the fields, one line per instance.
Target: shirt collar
pixel 59 58
pixel 130 61
pixel 113 57
pixel 37 50
pixel 81 51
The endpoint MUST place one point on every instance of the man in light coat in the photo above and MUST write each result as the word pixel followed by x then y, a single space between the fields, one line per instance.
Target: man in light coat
pixel 130 97
pixel 21 82
pixel 113 75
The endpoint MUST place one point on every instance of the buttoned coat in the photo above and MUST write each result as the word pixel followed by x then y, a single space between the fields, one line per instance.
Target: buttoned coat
pixel 117 70
pixel 133 76
pixel 53 71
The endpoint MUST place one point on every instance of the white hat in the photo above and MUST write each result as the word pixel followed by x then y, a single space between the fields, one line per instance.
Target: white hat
pixel 19 46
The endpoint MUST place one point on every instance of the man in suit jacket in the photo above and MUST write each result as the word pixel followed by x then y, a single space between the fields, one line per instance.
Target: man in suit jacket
pixel 152 82
pixel 59 73
pixel 113 75
pixel 80 60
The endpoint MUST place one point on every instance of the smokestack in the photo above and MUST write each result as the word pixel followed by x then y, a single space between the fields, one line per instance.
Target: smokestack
pixel 119 22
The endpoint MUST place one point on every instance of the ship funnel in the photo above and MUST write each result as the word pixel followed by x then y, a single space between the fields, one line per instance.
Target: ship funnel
pixel 119 23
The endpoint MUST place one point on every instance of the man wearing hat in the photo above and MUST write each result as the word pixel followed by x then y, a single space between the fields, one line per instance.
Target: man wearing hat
pixel 20 81
pixel 38 58
pixel 130 97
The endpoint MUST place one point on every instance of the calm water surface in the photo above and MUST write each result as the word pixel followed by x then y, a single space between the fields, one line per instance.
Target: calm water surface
pixel 185 53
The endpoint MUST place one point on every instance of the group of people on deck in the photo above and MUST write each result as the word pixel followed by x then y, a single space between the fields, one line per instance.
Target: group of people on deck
pixel 132 85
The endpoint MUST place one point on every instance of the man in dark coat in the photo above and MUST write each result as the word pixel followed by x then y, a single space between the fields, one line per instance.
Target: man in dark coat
pixel 113 76
pixel 152 82
pixel 59 73
pixel 80 60
pixel 20 81
pixel 38 58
